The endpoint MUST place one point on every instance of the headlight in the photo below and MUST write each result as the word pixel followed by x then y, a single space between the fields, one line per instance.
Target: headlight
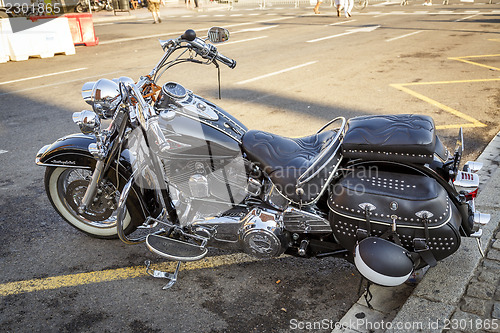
pixel 105 98
pixel 88 121
pixel 124 79
pixel 87 92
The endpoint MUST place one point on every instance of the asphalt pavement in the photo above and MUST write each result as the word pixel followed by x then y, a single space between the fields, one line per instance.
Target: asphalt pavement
pixel 461 294
pixel 235 293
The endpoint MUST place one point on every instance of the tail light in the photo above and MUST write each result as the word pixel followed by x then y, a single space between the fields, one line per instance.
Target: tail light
pixel 471 195
pixel 466 181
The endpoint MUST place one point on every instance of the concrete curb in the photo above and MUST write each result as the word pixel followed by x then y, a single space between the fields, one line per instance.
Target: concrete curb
pixel 436 297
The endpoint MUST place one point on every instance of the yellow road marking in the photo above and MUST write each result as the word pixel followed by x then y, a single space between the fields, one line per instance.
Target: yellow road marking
pixel 73 280
pixel 463 59
pixel 472 122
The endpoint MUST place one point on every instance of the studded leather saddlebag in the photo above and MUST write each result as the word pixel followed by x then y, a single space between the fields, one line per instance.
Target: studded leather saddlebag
pixel 413 210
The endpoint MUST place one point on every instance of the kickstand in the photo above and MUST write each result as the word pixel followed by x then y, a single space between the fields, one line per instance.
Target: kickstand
pixel 367 294
pixel 164 275
pixel 479 245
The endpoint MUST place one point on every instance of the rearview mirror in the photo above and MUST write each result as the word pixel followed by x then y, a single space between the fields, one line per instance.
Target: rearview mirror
pixel 217 35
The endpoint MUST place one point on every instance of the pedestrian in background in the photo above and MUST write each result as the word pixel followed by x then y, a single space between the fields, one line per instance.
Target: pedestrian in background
pixel 348 4
pixel 154 8
pixel 316 8
pixel 428 3
pixel 188 4
pixel 339 4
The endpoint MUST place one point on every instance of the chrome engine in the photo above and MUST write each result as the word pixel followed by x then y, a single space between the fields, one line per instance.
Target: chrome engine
pixel 210 210
pixel 202 190
pixel 262 234
pixel 259 232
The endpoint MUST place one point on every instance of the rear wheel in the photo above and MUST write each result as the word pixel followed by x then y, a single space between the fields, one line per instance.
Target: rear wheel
pixel 66 187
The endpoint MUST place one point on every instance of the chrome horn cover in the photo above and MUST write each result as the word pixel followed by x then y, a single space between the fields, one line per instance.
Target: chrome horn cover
pixel 88 121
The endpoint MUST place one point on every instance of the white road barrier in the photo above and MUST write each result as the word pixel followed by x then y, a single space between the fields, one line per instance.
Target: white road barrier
pixel 38 40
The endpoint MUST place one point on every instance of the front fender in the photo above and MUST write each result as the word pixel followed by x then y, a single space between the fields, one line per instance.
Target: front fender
pixel 72 151
pixel 69 151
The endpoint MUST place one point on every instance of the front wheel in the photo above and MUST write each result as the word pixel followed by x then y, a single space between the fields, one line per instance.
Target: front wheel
pixel 66 187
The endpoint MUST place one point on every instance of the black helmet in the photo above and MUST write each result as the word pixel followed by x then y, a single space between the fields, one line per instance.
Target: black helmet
pixel 382 261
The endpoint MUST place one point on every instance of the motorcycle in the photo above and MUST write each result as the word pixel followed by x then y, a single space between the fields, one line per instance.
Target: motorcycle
pixel 380 191
pixel 97 5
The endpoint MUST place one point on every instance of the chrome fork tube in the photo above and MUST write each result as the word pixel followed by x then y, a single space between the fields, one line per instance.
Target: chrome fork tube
pixel 92 188
pixel 122 209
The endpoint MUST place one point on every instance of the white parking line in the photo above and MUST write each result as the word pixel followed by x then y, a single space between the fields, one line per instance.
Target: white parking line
pixel 44 75
pixel 465 18
pixel 276 73
pixel 329 37
pixel 59 83
pixel 337 23
pixel 101 24
pixel 255 29
pixel 348 32
pixel 407 35
pixel 241 41
pixel 3 151
pixel 120 40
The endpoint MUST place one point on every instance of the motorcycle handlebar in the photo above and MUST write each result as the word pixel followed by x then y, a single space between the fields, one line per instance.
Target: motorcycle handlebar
pixel 206 51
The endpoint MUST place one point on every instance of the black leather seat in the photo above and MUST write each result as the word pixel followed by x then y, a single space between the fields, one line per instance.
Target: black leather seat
pixel 286 159
pixel 406 138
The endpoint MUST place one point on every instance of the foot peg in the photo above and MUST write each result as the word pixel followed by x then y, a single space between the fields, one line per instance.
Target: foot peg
pixel 477 234
pixel 164 275
pixel 175 249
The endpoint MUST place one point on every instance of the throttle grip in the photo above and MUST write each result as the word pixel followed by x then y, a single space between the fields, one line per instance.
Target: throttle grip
pixel 231 63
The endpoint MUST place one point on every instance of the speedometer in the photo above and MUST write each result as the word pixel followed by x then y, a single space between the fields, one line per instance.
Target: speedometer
pixel 174 90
